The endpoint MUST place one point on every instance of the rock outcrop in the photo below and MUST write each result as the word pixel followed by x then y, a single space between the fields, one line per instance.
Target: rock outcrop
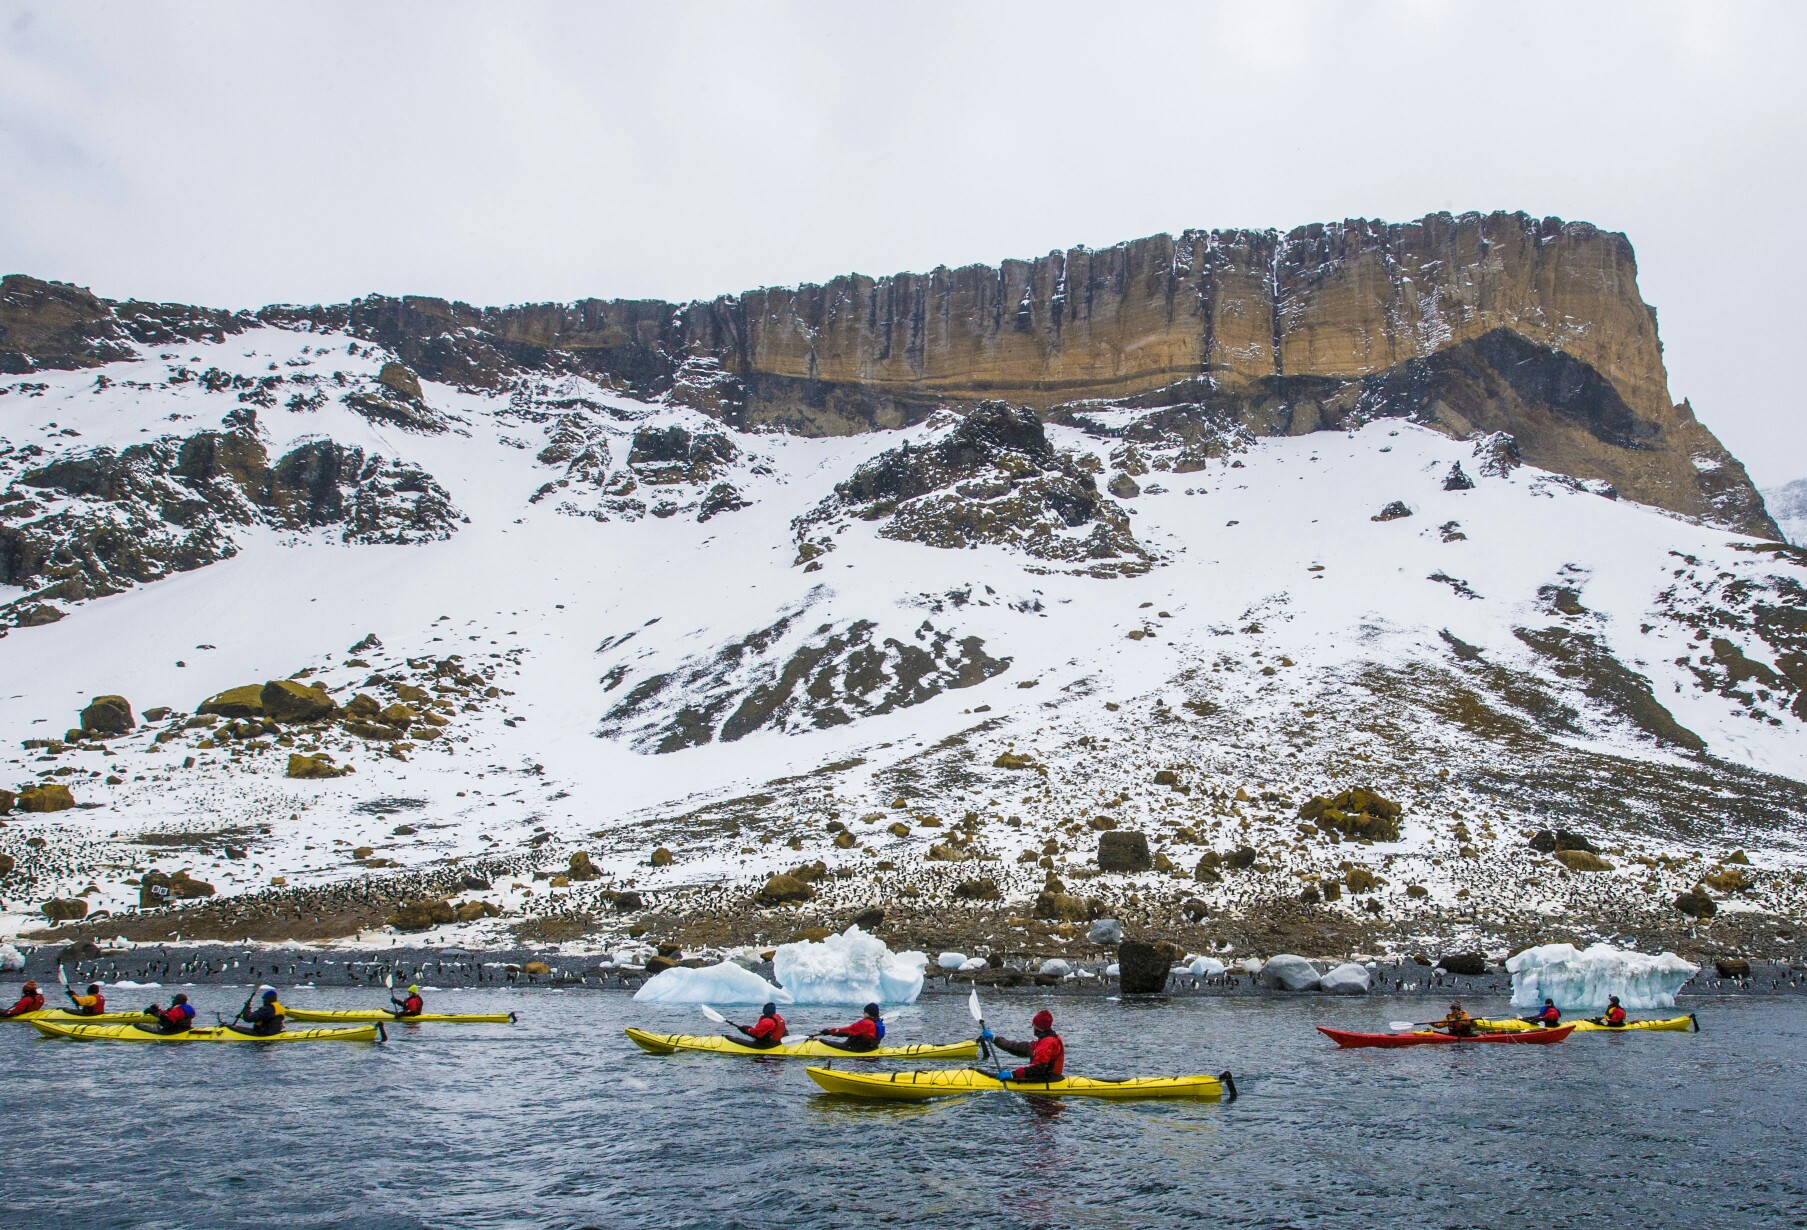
pixel 1471 323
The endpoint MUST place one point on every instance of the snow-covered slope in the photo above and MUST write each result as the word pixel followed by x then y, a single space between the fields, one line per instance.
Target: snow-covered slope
pixel 941 661
pixel 1788 505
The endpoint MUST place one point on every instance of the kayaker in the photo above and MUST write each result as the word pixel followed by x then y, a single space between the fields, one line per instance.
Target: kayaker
pixel 863 1035
pixel 91 1004
pixel 1549 1016
pixel 1615 1015
pixel 178 1018
pixel 1457 1024
pixel 265 1019
pixel 768 1031
pixel 30 1000
pixel 414 1005
pixel 1047 1054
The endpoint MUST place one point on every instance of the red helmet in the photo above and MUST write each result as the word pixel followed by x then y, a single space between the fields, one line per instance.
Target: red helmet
pixel 1042 1020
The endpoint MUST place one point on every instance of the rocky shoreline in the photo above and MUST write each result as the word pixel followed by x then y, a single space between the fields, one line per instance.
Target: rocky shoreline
pixel 457 968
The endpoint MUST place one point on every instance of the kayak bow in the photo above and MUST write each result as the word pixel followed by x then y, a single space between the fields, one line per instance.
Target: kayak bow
pixel 389 1018
pixel 206 1033
pixel 952 1082
pixel 715 1044
pixel 1674 1024
pixel 1540 1037
pixel 59 1014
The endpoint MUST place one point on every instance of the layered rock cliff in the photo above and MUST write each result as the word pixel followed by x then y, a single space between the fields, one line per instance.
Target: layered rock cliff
pixel 1468 323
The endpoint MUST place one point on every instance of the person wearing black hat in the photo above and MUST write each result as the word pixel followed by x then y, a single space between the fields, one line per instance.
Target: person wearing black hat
pixel 768 1031
pixel 864 1034
pixel 265 1019
pixel 176 1019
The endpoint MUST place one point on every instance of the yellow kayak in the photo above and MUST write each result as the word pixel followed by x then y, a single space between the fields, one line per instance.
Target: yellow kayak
pixel 207 1033
pixel 59 1014
pixel 1674 1024
pixel 378 1014
pixel 951 1082
pixel 715 1044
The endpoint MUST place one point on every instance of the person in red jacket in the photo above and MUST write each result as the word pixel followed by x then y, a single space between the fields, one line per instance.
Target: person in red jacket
pixel 863 1035
pixel 1615 1015
pixel 1550 1016
pixel 1047 1055
pixel 414 1005
pixel 768 1031
pixel 91 1004
pixel 31 1001
pixel 178 1018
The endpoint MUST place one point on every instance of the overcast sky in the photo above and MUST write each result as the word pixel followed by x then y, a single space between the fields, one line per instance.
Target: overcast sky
pixel 240 154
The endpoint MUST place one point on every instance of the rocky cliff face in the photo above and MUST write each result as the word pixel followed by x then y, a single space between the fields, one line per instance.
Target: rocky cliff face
pixel 1470 324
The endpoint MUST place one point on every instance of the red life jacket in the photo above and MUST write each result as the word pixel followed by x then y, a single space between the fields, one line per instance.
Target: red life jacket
pixel 1551 1014
pixel 177 1015
pixel 414 1005
pixel 1049 1054
pixel 768 1029
pixel 1615 1016
pixel 27 1003
pixel 865 1027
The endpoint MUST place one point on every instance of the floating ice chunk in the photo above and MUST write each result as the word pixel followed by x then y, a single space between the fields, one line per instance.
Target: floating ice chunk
pixel 973 965
pixel 11 958
pixel 1054 967
pixel 726 983
pixel 1287 972
pixel 951 960
pixel 1113 970
pixel 850 968
pixel 1346 979
pixel 1206 967
pixel 1105 931
pixel 128 985
pixel 1581 981
pixel 1250 965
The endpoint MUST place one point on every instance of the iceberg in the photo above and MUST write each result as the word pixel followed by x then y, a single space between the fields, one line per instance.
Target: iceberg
pixel 11 958
pixel 1288 972
pixel 951 960
pixel 1581 981
pixel 850 968
pixel 1346 979
pixel 726 983
pixel 1206 967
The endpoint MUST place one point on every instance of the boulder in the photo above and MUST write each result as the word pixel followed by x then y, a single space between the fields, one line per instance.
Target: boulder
pixel 869 919
pixel 157 713
pixel 1011 760
pixel 1054 967
pixel 539 969
pixel 783 890
pixel 661 857
pixel 582 868
pixel 1142 967
pixel 1360 880
pixel 289 701
pixel 401 715
pixel 240 702
pixel 1581 860
pixel 625 902
pixel 108 715
pixel 1726 880
pixel 1124 850
pixel 978 890
pixel 1059 907
pixel 471 911
pixel 7 800
pixel 1358 813
pixel 1392 512
pixel 1457 479
pixel 64 909
pixel 1345 979
pixel 1471 964
pixel 1287 972
pixel 1732 967
pixel 423 915
pixel 374 730
pixel 51 796
pixel 7 864
pixel 1104 932
pixel 1696 905
pixel 314 766
pixel 1207 870
pixel 363 708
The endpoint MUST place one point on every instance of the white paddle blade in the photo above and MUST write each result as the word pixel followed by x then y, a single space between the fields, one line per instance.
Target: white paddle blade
pixel 795 1039
pixel 972 1005
pixel 1402 1025
pixel 713 1015
pixel 389 981
pixel 61 976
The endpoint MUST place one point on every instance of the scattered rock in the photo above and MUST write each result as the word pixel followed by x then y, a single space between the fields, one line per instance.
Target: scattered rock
pixel 1457 479
pixel 287 701
pixel 7 800
pixel 1358 813
pixel 51 796
pixel 240 702
pixel 783 890
pixel 1725 880
pixel 1012 760
pixel 1056 906
pixel 1732 967
pixel 318 766
pixel 1581 860
pixel 1124 851
pixel 582 868
pixel 661 857
pixel 423 915
pixel 64 909
pixel 869 919
pixel 1392 512
pixel 1696 905
pixel 1142 967
pixel 108 715
pixel 1472 964
pixel 978 890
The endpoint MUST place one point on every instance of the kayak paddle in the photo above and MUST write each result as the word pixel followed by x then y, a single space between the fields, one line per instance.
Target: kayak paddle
pixel 978 1014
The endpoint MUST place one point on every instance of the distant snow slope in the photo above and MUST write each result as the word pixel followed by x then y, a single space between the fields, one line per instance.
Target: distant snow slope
pixel 673 635
pixel 1788 505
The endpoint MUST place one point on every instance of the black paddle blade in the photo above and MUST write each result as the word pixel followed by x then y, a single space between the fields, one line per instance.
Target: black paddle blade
pixel 1229 1086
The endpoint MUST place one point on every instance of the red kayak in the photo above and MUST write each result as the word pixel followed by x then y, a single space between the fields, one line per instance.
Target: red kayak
pixel 1540 1037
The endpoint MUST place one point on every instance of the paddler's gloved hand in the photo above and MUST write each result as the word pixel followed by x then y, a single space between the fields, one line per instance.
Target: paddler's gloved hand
pixel 1005 1074
pixel 985 1035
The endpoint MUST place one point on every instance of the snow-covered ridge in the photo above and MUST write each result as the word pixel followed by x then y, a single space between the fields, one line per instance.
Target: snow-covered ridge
pixel 947 724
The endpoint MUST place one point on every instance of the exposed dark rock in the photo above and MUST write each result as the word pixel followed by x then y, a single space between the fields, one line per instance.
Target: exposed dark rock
pixel 1123 851
pixel 1358 813
pixel 49 796
pixel 1142 967
pixel 1457 479
pixel 1696 904
pixel 108 715
pixel 783 890
pixel 64 909
pixel 287 701
pixel 1392 512
pixel 1732 967
pixel 1470 964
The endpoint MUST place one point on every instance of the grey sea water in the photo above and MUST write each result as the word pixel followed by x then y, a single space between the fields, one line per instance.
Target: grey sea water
pixel 559 1121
